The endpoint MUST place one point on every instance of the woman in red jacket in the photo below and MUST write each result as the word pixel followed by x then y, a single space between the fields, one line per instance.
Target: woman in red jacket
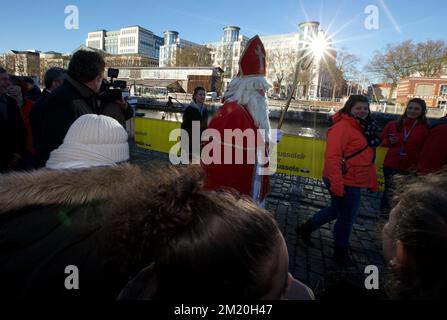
pixel 405 139
pixel 348 167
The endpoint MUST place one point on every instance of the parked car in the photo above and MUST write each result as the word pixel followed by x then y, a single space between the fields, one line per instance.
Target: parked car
pixel 211 96
pixel 277 96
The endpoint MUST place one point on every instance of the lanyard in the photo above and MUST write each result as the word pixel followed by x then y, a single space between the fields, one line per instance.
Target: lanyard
pixel 407 134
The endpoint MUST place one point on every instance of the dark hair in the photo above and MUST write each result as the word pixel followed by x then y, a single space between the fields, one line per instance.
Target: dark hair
pixel 2 70
pixel 206 244
pixel 86 65
pixel 196 90
pixel 15 80
pixel 53 74
pixel 28 80
pixel 421 226
pixel 352 100
pixel 422 118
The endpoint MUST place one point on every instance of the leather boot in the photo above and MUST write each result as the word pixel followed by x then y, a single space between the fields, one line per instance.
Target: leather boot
pixel 304 231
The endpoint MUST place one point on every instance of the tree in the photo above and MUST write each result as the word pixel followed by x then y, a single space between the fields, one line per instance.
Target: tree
pixel 430 58
pixel 197 56
pixel 8 62
pixel 305 77
pixel 303 64
pixel 341 66
pixel 427 59
pixel 282 66
pixel 396 62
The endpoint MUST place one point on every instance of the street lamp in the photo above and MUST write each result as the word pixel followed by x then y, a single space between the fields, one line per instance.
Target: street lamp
pixel 313 49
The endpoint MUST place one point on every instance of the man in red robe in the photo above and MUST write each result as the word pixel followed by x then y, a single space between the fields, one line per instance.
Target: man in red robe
pixel 245 114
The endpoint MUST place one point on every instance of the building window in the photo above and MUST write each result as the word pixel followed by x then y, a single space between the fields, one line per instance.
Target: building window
pixel 443 91
pixel 442 104
pixel 424 89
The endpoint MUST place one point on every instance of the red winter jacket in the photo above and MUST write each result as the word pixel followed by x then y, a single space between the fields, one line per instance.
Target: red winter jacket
pixel 413 147
pixel 434 154
pixel 26 110
pixel 343 139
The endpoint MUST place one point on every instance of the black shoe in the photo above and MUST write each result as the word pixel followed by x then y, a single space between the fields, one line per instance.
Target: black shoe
pixel 341 257
pixel 304 231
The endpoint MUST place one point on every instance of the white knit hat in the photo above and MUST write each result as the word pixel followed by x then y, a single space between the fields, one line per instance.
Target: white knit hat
pixel 92 140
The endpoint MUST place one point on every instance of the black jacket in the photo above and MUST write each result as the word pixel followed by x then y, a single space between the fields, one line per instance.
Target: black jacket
pixel 118 111
pixel 191 114
pixel 36 117
pixel 67 103
pixel 12 132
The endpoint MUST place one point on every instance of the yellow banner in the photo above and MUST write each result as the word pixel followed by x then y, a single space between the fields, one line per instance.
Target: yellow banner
pixel 153 134
pixel 304 156
pixel 296 155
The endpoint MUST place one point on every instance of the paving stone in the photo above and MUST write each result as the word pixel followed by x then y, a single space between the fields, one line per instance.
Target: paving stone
pixel 290 229
pixel 320 203
pixel 293 200
pixel 322 199
pixel 300 274
pixel 300 261
pixel 306 200
pixel 362 235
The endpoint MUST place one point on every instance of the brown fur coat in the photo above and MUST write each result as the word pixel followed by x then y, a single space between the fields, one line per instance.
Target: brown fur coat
pixel 70 187
pixel 53 218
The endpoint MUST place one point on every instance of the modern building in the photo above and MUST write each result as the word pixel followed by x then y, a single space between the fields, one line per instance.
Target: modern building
pixel 227 52
pixel 432 90
pixel 172 44
pixel 281 53
pixel 129 40
pixel 122 60
pixel 175 79
pixel 21 63
pixel 52 59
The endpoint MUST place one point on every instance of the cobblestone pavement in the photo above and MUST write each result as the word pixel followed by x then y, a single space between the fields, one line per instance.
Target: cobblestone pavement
pixel 293 200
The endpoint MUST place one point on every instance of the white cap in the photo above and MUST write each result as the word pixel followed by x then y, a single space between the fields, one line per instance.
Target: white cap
pixel 92 140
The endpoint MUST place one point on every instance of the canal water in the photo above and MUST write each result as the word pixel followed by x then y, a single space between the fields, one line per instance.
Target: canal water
pixel 297 127
pixel 306 124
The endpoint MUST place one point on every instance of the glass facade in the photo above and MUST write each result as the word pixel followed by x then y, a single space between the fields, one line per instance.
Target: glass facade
pixel 231 34
pixel 170 37
pixel 125 41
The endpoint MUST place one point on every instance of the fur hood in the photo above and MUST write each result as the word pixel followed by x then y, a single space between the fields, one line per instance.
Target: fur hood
pixel 70 187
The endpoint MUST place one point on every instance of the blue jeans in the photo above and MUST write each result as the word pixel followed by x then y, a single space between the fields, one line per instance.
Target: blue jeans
pixel 344 209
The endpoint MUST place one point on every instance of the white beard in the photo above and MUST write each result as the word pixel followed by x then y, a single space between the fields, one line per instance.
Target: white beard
pixel 244 90
pixel 258 107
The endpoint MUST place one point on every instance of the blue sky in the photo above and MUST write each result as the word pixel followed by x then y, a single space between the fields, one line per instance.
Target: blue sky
pixel 39 24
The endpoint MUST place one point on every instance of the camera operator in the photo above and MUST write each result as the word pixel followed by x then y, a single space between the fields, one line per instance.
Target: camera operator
pixel 113 98
pixel 78 95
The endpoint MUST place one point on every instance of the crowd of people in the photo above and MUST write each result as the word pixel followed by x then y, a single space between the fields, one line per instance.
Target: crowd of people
pixel 28 140
pixel 70 197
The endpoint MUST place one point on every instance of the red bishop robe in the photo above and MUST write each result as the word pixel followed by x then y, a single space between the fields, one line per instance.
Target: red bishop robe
pixel 239 177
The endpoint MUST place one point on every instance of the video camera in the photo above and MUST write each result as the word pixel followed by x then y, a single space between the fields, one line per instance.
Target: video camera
pixel 113 90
